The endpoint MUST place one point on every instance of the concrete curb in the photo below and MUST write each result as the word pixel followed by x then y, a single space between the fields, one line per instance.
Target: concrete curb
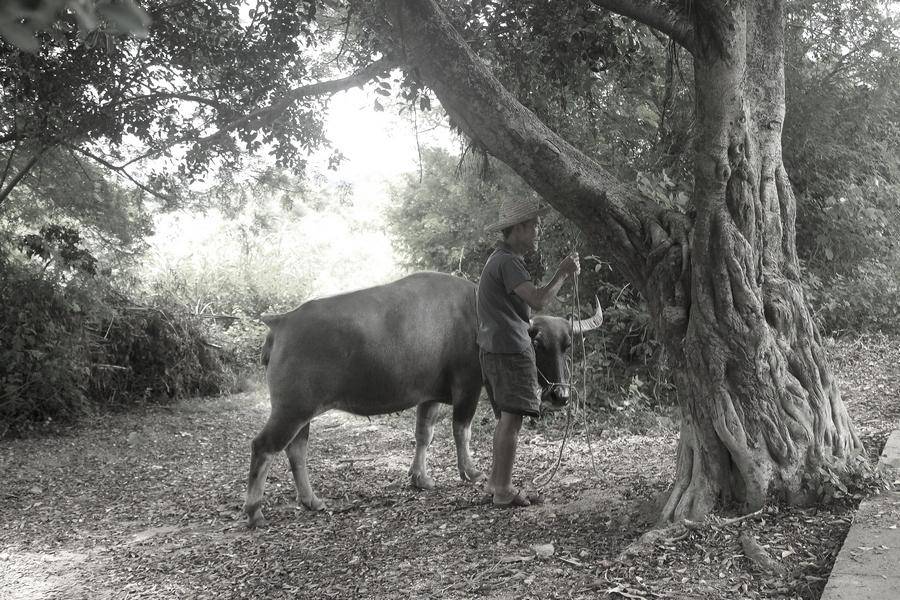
pixel 868 565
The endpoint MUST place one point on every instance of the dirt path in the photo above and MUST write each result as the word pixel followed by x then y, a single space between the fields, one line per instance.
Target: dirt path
pixel 147 505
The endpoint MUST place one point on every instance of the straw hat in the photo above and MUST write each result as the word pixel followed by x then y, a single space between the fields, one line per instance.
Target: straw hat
pixel 517 210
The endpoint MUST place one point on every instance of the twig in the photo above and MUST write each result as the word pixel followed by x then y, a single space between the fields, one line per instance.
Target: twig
pixel 625 592
pixel 742 518
pixel 570 561
pixel 357 459
pixel 481 575
pixel 695 525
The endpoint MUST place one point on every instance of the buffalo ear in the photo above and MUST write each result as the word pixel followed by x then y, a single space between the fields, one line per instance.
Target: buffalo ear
pixel 533 330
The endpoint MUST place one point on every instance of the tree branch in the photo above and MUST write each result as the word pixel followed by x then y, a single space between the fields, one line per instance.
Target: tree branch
pixel 120 170
pixel 4 193
pixel 656 14
pixel 9 160
pixel 267 114
pixel 257 118
pixel 219 106
pixel 565 177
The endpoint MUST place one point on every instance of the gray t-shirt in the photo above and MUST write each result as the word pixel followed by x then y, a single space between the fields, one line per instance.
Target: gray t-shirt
pixel 503 317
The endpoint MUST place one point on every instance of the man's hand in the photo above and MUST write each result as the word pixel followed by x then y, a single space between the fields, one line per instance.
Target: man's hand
pixel 537 298
pixel 570 265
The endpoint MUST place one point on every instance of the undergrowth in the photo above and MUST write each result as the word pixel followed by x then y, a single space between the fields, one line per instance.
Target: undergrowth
pixel 71 344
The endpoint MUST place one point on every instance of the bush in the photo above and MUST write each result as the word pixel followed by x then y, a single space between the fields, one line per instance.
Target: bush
pixel 44 369
pixel 243 337
pixel 70 344
pixel 150 353
pixel 865 302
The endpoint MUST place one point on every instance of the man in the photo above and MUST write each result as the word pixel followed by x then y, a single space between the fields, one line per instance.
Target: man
pixel 505 298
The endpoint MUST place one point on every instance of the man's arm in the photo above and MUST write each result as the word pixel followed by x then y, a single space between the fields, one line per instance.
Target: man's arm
pixel 538 297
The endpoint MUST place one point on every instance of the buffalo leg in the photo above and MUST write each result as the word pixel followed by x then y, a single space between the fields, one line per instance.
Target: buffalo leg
pixel 426 414
pixel 465 402
pixel 296 453
pixel 273 438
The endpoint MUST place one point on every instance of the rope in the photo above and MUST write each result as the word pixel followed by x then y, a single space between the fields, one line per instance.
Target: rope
pixel 584 412
pixel 550 473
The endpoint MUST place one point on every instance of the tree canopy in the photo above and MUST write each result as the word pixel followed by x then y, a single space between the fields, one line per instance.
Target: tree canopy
pixel 210 83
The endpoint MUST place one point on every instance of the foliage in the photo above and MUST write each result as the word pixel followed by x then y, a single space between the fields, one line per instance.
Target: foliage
pixel 438 216
pixel 243 336
pixel 625 368
pixel 842 150
pixel 115 102
pixel 165 354
pixel 842 133
pixel 112 218
pixel 71 344
pixel 44 369
pixel 606 84
pixel 619 94
pixel 865 301
pixel 20 21
pixel 439 223
pixel 62 245
pixel 269 246
pixel 849 482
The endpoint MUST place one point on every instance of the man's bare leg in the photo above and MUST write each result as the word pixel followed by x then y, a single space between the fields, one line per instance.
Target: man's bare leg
pixel 506 437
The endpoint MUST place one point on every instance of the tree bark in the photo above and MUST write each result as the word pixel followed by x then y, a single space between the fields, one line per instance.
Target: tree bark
pixel 761 412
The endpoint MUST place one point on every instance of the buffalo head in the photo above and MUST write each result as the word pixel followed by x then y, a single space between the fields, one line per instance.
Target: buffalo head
pixel 552 337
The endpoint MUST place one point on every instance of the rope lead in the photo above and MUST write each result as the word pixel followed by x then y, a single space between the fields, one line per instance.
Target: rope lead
pixel 551 472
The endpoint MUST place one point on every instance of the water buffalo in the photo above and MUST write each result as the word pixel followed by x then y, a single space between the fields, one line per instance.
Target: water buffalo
pixel 381 350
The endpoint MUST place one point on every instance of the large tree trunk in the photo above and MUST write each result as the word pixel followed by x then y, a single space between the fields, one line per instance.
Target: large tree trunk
pixel 761 410
pixel 761 413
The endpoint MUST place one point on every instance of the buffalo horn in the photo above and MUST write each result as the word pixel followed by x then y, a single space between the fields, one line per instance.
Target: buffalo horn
pixel 591 323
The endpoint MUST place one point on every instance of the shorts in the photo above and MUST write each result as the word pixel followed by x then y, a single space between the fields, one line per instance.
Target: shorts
pixel 511 382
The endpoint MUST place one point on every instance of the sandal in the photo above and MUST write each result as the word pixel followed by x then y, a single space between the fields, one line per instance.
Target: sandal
pixel 520 499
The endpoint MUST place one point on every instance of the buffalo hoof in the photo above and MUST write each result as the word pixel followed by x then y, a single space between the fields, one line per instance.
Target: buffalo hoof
pixel 313 504
pixel 422 481
pixel 256 520
pixel 472 475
